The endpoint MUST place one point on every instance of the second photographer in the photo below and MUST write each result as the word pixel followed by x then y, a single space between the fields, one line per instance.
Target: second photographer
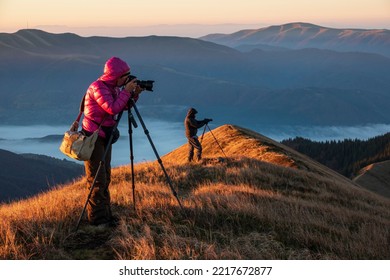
pixel 191 126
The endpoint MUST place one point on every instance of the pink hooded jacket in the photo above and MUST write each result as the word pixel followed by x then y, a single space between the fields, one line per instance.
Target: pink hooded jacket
pixel 104 97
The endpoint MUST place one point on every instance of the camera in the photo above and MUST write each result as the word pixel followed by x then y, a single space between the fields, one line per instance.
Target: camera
pixel 146 85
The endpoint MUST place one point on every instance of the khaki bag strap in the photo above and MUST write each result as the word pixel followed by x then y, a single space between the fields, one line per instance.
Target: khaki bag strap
pixel 81 111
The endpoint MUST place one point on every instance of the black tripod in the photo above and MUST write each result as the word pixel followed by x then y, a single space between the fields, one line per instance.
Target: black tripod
pixel 201 139
pixel 132 122
pixel 146 131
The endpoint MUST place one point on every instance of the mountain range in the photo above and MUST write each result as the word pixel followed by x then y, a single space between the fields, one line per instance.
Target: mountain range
pixel 43 77
pixel 258 200
pixel 300 35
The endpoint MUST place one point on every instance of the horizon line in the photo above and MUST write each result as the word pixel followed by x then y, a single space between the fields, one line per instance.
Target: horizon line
pixel 172 29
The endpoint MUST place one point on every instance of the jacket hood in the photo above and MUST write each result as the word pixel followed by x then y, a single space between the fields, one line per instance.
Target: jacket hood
pixel 191 112
pixel 114 69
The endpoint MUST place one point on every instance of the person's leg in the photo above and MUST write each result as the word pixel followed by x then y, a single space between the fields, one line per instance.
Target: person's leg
pixel 195 144
pixel 190 150
pixel 107 199
pixel 198 148
pixel 97 210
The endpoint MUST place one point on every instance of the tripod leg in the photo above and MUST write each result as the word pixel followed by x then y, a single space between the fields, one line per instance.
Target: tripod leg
pixel 216 141
pixel 156 153
pixel 98 171
pixel 201 138
pixel 131 120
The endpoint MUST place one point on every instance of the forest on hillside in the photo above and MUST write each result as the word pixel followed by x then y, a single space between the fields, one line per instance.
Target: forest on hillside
pixel 346 156
pixel 24 175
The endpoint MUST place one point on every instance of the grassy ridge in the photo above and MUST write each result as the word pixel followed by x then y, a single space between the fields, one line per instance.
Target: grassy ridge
pixel 238 207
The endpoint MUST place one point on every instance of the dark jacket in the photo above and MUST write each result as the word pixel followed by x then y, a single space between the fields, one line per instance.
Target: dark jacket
pixel 191 124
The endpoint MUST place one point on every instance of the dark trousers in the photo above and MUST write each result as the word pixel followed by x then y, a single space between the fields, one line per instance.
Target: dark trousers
pixel 98 207
pixel 193 143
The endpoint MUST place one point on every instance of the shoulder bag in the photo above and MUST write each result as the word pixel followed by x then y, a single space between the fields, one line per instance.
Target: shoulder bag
pixel 76 144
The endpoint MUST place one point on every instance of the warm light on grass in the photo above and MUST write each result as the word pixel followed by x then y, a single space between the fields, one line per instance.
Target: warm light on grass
pixel 234 208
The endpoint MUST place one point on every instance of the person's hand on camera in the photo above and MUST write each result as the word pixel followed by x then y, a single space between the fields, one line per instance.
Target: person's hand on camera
pixel 137 91
pixel 131 86
pixel 207 120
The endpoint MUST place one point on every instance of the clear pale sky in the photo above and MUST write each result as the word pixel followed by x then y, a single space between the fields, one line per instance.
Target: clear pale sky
pixel 147 17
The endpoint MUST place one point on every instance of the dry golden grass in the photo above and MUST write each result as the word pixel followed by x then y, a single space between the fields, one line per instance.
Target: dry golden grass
pixel 236 142
pixel 269 203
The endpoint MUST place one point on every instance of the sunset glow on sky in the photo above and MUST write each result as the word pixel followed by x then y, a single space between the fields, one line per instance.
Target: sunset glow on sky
pixel 113 15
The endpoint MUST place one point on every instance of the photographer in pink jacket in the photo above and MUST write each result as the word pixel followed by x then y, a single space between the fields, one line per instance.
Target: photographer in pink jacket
pixel 105 98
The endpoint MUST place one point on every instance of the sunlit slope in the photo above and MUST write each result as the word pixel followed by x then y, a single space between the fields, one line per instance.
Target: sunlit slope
pixel 376 177
pixel 262 201
pixel 235 141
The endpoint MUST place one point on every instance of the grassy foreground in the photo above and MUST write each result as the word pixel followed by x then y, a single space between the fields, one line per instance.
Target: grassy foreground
pixel 264 201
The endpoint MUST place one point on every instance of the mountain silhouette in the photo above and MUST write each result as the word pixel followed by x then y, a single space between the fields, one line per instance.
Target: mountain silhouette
pixel 262 201
pixel 300 35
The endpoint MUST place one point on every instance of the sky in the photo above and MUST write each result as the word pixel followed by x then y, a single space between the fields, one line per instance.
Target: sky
pixel 192 18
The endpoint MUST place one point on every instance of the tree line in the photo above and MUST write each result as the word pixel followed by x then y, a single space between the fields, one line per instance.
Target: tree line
pixel 344 156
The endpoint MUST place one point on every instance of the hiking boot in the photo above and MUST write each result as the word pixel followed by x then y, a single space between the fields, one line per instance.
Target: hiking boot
pixel 114 221
pixel 107 223
pixel 110 224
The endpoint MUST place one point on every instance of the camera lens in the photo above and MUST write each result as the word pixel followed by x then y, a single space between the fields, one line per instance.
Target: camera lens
pixel 146 85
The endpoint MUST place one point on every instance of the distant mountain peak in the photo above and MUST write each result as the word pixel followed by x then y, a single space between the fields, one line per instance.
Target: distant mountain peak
pixel 298 35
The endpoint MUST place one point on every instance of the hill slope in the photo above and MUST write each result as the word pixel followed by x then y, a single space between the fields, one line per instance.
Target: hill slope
pixel 367 161
pixel 376 178
pixel 264 201
pixel 240 142
pixel 23 175
pixel 350 157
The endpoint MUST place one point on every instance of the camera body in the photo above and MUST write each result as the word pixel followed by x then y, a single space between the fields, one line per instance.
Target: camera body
pixel 146 85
